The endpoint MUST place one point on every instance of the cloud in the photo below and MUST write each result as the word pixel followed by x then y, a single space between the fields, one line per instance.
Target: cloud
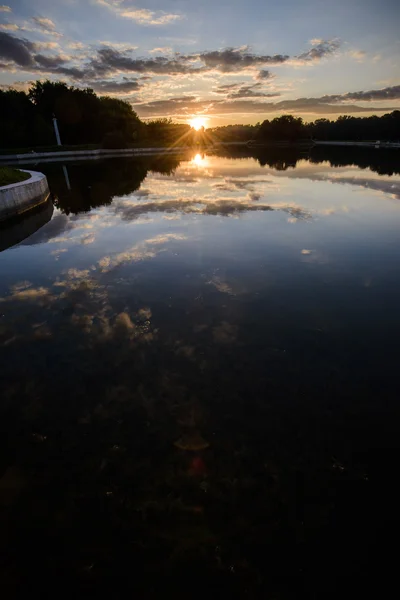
pixel 388 93
pixel 47 45
pixel 102 69
pixel 9 27
pixel 20 52
pixel 130 211
pixel 163 50
pixel 337 104
pixel 358 55
pixel 126 86
pixel 231 60
pixel 141 251
pixel 241 90
pixel 264 74
pixel 114 59
pixel 251 91
pixel 44 22
pixel 223 89
pixel 320 49
pixel 4 8
pixel 142 16
pixel 386 187
pixel 236 59
pixel 46 25
pixel 50 62
pixel 109 60
pixel 16 50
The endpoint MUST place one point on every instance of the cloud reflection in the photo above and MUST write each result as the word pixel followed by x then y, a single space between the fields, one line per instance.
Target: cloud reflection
pixel 146 249
pixel 129 211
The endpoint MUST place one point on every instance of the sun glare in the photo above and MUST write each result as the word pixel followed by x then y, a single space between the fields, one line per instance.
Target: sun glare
pixel 198 122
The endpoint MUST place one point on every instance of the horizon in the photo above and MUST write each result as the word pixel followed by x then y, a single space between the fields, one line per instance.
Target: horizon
pixel 199 66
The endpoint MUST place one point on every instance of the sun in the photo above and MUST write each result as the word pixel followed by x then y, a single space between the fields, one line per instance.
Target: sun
pixel 198 122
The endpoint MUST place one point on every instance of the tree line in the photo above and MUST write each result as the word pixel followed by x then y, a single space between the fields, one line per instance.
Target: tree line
pixel 292 129
pixel 85 119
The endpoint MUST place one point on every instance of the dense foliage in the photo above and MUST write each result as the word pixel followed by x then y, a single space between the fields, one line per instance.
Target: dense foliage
pixel 292 129
pixel 233 133
pixel 85 118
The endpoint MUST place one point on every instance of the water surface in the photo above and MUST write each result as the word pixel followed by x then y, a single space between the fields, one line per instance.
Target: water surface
pixel 199 361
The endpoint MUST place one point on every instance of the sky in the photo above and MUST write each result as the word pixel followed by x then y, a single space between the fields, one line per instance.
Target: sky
pixel 224 61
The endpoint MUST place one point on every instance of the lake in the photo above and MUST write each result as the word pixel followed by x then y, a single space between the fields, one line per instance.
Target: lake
pixel 199 375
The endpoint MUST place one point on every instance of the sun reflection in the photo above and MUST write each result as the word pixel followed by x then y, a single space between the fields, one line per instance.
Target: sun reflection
pixel 200 160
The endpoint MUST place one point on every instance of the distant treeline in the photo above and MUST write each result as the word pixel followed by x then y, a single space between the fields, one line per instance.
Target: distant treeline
pixel 293 129
pixel 85 118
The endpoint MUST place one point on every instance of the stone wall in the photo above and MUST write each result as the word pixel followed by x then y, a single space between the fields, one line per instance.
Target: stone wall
pixel 17 198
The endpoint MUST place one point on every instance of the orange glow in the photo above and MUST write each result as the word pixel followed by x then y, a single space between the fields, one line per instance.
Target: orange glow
pixel 198 122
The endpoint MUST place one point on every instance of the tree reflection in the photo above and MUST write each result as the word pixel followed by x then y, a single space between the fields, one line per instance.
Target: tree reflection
pixel 96 183
pixel 382 161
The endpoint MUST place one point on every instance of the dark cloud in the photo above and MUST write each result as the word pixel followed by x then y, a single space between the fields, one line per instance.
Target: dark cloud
pixel 16 50
pixel 56 65
pixel 250 91
pixel 236 59
pixel 264 74
pixel 219 206
pixel 172 105
pixel 109 60
pixel 336 103
pixel 241 90
pixel 231 60
pixel 320 49
pixel 388 93
pixel 387 187
pixel 20 52
pixel 50 62
pixel 114 87
pixel 223 89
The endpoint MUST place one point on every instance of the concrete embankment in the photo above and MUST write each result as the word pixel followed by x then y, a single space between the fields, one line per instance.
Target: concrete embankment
pixel 86 154
pixel 372 144
pixel 17 198
pixel 15 231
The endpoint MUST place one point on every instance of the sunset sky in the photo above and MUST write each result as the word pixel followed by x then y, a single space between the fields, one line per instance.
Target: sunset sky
pixel 229 61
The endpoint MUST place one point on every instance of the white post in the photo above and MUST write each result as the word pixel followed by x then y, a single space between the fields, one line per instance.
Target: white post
pixel 56 131
pixel 66 177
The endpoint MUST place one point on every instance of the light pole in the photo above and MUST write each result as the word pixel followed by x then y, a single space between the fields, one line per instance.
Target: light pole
pixel 56 130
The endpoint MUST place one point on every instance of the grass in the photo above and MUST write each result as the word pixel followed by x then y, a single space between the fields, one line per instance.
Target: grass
pixel 8 175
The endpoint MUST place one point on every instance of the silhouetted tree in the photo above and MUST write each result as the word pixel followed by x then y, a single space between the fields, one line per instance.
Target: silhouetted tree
pixel 286 127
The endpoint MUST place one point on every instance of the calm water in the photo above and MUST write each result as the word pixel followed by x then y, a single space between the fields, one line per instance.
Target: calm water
pixel 199 376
